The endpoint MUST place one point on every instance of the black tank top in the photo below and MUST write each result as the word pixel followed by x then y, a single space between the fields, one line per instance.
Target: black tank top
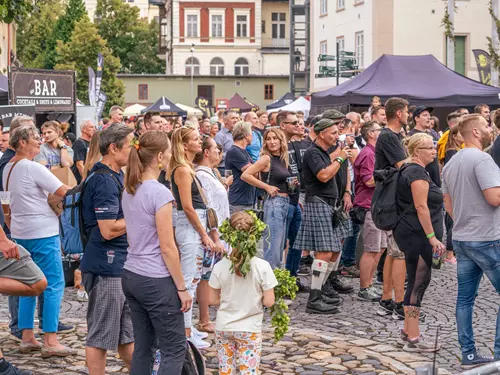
pixel 279 173
pixel 195 195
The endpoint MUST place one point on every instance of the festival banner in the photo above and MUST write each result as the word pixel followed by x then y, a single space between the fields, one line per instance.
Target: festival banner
pixel 92 93
pixel 98 81
pixel 483 61
pixel 101 102
pixel 8 112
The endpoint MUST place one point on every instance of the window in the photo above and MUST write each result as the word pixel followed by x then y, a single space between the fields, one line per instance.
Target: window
pixel 279 25
pixel 241 67
pixel 341 43
pixel 340 4
pixel 323 7
pixel 163 32
pixel 241 26
pixel 360 49
pixel 217 67
pixel 192 65
pixel 192 25
pixel 268 92
pixel 217 26
pixel 143 92
pixel 323 50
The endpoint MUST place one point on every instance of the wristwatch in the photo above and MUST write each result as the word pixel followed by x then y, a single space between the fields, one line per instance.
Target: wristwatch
pixel 65 147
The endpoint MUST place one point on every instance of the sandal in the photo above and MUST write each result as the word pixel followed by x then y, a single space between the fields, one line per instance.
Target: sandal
pixel 206 327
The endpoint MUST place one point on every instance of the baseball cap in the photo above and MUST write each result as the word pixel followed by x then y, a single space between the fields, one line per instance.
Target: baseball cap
pixel 420 109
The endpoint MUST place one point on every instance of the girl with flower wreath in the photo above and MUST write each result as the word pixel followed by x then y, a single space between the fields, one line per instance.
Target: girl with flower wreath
pixel 242 285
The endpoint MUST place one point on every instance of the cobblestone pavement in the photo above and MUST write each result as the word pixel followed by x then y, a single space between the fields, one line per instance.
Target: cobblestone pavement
pixel 354 341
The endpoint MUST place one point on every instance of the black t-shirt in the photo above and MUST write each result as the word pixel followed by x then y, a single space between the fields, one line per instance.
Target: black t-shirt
pixel 6 157
pixel 494 152
pixel 196 198
pixel 315 160
pixel 432 168
pixel 296 151
pixel 448 155
pixel 80 148
pixel 389 149
pixel 240 192
pixel 410 221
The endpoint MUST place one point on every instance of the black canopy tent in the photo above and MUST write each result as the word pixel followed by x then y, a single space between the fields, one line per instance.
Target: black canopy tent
pixel 165 107
pixel 286 99
pixel 420 79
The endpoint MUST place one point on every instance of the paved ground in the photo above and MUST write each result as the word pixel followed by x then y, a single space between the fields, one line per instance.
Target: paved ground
pixel 354 341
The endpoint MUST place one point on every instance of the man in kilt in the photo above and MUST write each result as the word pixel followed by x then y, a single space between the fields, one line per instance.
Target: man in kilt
pixel 319 232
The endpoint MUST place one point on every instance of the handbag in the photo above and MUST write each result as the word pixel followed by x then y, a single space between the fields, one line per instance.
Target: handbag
pixel 212 220
pixel 6 207
pixel 259 201
pixel 358 214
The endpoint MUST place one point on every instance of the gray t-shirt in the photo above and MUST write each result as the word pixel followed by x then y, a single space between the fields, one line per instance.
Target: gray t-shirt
pixel 144 254
pixel 51 155
pixel 465 177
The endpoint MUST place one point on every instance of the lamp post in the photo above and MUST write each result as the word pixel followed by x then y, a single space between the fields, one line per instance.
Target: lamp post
pixel 192 73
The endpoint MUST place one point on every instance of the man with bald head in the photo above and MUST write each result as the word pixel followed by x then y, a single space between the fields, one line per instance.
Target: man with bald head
pixel 471 190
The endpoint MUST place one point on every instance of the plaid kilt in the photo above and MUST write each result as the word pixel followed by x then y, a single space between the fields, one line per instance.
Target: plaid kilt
pixel 316 232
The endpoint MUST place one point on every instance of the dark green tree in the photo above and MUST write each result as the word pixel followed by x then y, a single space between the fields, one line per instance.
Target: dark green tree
pixel 11 10
pixel 75 11
pixel 32 32
pixel 132 39
pixel 81 52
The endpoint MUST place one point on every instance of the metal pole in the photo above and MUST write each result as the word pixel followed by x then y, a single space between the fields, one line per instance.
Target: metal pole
pixel 291 80
pixel 495 42
pixel 450 43
pixel 308 47
pixel 192 72
pixel 338 63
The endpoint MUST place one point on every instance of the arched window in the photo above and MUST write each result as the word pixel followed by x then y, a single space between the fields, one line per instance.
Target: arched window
pixel 241 67
pixel 217 67
pixel 192 64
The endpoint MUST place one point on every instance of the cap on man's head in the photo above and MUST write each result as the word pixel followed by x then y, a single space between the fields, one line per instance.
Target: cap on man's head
pixel 323 124
pixel 333 114
pixel 420 109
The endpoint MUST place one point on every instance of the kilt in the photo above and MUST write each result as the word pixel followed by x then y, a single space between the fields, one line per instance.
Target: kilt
pixel 316 232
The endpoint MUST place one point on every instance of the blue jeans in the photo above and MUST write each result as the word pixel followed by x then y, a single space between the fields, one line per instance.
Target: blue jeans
pixel 46 253
pixel 474 259
pixel 292 228
pixel 275 214
pixel 349 248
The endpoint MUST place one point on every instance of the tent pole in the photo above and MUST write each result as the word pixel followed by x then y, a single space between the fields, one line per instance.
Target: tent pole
pixel 494 39
pixel 450 43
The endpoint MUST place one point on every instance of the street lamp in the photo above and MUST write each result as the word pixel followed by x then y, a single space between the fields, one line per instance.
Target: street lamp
pixel 192 73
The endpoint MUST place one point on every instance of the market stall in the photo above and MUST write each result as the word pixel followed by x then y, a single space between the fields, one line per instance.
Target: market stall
pixel 165 107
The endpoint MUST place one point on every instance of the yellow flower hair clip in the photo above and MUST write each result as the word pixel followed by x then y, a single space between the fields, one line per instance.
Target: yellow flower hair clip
pixel 135 143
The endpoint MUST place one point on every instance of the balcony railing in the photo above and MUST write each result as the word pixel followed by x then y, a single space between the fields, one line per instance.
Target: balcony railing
pixel 275 43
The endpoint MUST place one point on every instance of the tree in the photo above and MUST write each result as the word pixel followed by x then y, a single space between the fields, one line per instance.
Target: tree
pixel 14 9
pixel 81 52
pixel 75 11
pixel 492 48
pixel 32 32
pixel 132 39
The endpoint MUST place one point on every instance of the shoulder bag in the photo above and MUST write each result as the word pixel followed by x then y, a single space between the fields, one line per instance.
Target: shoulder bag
pixel 212 220
pixel 6 208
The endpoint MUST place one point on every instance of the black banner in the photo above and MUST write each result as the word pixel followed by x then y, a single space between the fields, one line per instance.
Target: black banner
pixel 203 105
pixel 48 90
pixel 483 61
pixel 92 95
pixel 101 102
pixel 8 112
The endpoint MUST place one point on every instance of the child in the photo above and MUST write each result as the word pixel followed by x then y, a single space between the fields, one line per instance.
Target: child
pixel 241 285
pixel 376 102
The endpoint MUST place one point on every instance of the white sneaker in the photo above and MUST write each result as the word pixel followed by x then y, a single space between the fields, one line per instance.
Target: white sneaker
pixel 82 296
pixel 201 335
pixel 199 343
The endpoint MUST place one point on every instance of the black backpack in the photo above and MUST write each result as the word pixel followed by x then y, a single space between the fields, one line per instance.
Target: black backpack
pixel 194 363
pixel 384 209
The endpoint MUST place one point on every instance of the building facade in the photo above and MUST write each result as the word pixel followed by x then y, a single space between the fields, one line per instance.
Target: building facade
pixel 370 28
pixel 7 44
pixel 147 10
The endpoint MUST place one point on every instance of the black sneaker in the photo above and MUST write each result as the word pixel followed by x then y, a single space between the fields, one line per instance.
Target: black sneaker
pixel 385 307
pixel 398 313
pixel 13 370
pixel 338 285
pixel 474 358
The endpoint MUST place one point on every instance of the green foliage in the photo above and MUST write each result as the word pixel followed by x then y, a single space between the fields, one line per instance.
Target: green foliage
pixel 132 39
pixel 75 11
pixel 495 58
pixel 81 52
pixel 287 287
pixel 33 31
pixel 11 10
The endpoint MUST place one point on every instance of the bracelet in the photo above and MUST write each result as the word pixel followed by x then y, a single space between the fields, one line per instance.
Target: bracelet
pixel 182 290
pixel 430 235
pixel 340 160
pixel 348 192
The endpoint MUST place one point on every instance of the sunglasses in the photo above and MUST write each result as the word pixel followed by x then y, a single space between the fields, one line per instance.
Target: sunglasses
pixel 295 123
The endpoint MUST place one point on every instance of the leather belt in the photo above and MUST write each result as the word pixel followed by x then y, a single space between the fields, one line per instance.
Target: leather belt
pixel 329 201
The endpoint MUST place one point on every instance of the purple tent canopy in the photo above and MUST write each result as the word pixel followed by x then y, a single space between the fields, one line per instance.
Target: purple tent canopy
pixel 242 105
pixel 420 79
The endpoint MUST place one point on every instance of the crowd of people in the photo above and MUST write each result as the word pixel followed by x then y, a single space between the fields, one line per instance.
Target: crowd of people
pixel 157 190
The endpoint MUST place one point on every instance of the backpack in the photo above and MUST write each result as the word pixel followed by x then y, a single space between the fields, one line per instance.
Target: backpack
pixel 194 364
pixel 384 209
pixel 71 227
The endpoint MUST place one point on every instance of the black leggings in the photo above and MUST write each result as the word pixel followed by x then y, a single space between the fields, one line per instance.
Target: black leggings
pixel 448 221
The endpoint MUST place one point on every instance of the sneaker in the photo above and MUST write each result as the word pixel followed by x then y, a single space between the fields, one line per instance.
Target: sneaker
pixel 452 260
pixel 376 290
pixel 398 313
pixel 474 358
pixel 302 288
pixel 82 296
pixel 13 370
pixel 368 295
pixel 420 344
pixel 351 271
pixel 201 335
pixel 403 338
pixel 199 343
pixel 385 307
pixel 62 328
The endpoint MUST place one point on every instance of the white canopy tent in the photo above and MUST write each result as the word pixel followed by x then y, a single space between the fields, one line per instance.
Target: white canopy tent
pixel 301 104
pixel 189 110
pixel 133 110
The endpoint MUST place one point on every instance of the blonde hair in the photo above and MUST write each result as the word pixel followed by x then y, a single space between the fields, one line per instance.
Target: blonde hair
pixel 94 154
pixel 142 155
pixel 283 145
pixel 180 137
pixel 243 222
pixel 52 124
pixel 415 141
